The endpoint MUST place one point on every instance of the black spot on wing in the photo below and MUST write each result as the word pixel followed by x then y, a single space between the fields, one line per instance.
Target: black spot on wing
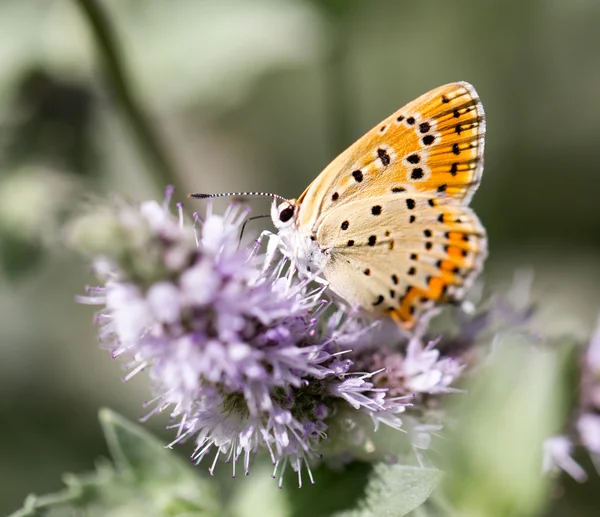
pixel 417 173
pixel 384 157
pixel 358 176
pixel 428 139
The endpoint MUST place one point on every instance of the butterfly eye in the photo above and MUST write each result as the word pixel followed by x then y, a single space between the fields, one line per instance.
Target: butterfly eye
pixel 286 214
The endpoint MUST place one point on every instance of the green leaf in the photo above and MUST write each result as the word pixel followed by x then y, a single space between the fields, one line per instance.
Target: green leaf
pixel 335 489
pixel 259 494
pixel 396 490
pixel 145 480
pixel 494 457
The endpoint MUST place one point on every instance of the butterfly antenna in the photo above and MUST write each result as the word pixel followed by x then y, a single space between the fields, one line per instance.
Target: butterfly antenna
pixel 237 194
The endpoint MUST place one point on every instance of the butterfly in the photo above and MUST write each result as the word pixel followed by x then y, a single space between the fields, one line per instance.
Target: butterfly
pixel 386 223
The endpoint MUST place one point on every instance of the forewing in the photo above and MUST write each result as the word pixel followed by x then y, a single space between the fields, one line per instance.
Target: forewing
pixel 433 146
pixel 399 255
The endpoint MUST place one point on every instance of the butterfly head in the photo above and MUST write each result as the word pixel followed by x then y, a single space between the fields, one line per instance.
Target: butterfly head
pixel 296 242
pixel 284 215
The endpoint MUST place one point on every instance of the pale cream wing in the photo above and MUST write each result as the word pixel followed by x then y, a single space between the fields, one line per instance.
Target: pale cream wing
pixel 401 254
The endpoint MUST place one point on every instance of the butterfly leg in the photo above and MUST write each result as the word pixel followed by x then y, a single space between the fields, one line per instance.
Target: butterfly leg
pixel 320 288
pixel 273 246
pixel 258 242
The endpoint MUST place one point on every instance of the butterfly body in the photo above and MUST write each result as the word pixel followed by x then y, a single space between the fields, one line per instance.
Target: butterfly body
pixel 301 245
pixel 386 223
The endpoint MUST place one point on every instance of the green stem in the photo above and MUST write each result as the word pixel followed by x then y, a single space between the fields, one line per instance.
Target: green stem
pixel 160 164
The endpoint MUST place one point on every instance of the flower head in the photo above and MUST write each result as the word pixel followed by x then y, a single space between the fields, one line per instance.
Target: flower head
pixel 235 346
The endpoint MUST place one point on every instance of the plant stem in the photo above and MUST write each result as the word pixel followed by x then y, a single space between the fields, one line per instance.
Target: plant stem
pixel 159 163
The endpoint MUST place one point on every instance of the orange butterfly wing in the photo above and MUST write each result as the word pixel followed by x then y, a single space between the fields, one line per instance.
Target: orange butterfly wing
pixel 433 145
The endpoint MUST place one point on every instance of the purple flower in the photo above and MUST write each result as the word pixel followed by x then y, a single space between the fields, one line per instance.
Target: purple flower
pixel 558 452
pixel 412 368
pixel 239 351
pixel 584 430
pixel 588 427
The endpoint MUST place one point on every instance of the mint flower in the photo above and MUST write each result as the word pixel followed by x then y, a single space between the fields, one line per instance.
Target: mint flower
pixel 239 353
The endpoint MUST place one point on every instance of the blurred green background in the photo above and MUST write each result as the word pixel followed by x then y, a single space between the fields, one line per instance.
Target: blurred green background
pixel 260 95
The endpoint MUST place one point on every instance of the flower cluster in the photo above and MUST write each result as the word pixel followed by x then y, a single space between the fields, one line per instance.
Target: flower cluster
pixel 245 355
pixel 585 426
pixel 235 349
